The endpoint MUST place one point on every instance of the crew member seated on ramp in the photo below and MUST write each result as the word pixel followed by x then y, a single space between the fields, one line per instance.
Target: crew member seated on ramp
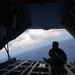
pixel 57 55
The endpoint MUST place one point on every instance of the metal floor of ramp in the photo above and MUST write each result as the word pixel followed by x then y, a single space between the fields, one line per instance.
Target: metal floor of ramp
pixel 31 67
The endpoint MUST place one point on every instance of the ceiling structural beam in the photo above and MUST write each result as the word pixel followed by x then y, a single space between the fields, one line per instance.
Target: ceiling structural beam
pixel 69 22
pixel 40 1
pixel 13 22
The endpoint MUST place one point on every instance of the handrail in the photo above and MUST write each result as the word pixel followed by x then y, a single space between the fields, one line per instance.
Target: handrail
pixel 71 65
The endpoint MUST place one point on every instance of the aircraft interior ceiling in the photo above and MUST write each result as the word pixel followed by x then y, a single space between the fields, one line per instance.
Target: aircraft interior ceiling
pixel 17 16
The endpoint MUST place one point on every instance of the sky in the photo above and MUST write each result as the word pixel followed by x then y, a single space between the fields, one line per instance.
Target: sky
pixel 33 39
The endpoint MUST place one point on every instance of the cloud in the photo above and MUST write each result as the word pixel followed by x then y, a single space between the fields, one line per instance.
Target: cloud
pixel 41 34
pixel 36 37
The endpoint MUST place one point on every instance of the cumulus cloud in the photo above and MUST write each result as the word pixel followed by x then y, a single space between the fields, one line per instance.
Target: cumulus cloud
pixel 41 34
pixel 36 37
